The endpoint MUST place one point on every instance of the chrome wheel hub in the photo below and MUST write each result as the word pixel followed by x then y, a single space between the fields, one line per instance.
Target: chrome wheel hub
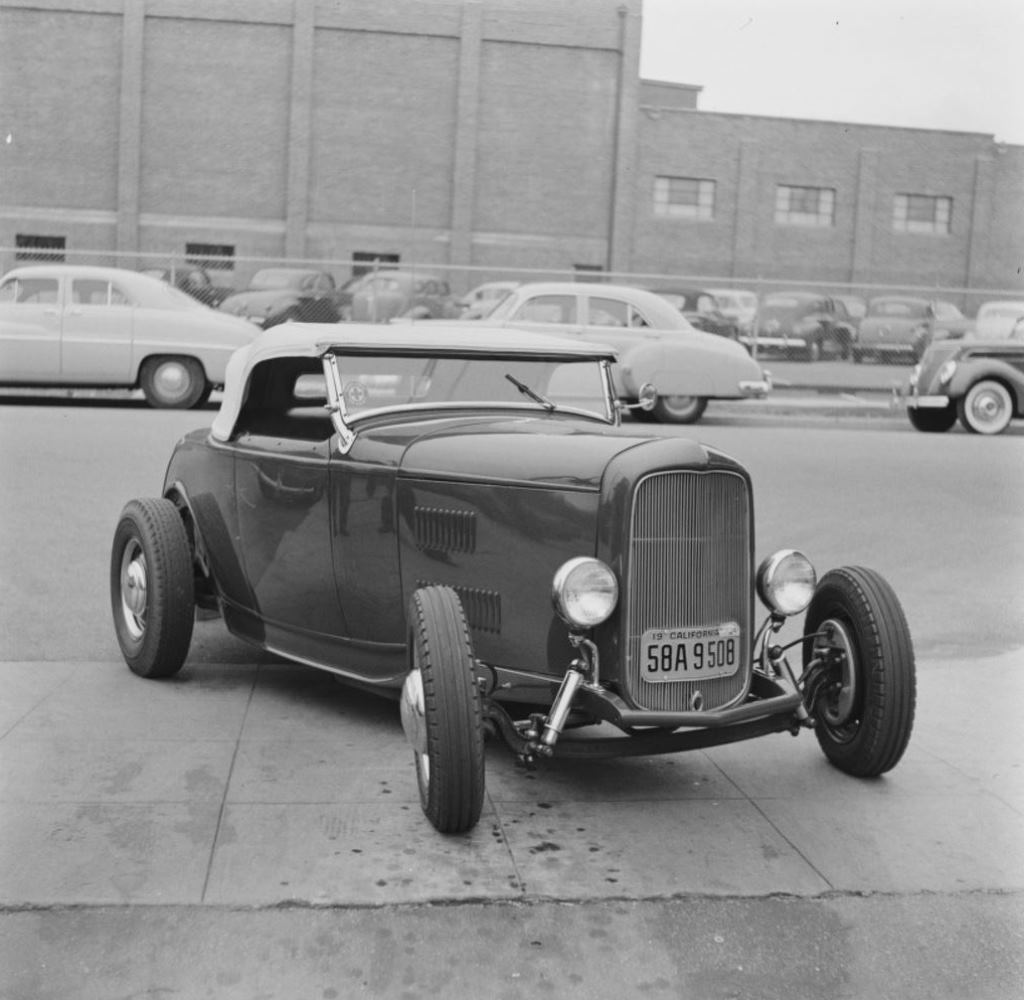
pixel 134 590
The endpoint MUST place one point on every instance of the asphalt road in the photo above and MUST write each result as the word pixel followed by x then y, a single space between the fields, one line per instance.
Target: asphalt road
pixel 253 830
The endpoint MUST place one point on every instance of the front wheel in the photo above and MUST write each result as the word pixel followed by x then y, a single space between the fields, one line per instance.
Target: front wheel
pixel 932 421
pixel 862 694
pixel 679 409
pixel 442 713
pixel 173 383
pixel 152 587
pixel 986 408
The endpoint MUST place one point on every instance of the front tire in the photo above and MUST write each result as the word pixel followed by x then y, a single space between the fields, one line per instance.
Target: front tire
pixel 986 408
pixel 932 421
pixel 152 588
pixel 679 409
pixel 173 383
pixel 442 711
pixel 863 700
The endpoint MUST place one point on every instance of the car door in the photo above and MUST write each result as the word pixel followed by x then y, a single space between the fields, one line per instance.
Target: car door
pixel 284 525
pixel 30 324
pixel 98 327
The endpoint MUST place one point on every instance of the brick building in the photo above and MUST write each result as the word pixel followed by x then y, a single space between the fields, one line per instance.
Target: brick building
pixel 502 136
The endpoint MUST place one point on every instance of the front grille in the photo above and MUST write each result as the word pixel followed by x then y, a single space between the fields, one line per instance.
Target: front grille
pixel 689 566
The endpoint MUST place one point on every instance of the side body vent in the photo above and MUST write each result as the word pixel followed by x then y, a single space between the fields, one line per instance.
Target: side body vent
pixel 482 607
pixel 440 530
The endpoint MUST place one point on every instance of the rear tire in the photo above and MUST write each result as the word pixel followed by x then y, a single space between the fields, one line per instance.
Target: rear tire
pixel 932 421
pixel 863 704
pixel 679 409
pixel 152 588
pixel 442 711
pixel 173 383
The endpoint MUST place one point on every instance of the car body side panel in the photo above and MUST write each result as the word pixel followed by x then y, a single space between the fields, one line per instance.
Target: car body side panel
pixel 201 472
pixel 1003 366
pixel 29 343
pixel 499 547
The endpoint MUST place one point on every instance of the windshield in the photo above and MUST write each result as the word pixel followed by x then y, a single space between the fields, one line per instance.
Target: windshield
pixel 898 308
pixel 273 278
pixel 375 382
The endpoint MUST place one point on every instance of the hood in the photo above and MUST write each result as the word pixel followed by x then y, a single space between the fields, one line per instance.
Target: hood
pixel 257 303
pixel 530 451
pixel 892 322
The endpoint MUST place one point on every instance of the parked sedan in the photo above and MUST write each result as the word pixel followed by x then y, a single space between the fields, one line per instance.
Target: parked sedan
pixel 981 382
pixel 654 341
pixel 452 516
pixel 479 301
pixel 701 309
pixel 737 304
pixel 194 281
pixel 998 319
pixel 286 295
pixel 69 325
pixel 389 295
pixel 805 325
pixel 903 326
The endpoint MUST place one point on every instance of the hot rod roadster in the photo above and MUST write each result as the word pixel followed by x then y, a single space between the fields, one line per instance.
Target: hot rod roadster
pixel 461 519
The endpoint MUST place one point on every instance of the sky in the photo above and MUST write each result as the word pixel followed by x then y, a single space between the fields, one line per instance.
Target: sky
pixel 956 65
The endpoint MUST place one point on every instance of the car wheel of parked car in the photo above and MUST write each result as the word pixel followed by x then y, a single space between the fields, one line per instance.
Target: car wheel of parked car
pixel 679 409
pixel 442 713
pixel 986 408
pixel 152 589
pixel 932 421
pixel 862 700
pixel 172 383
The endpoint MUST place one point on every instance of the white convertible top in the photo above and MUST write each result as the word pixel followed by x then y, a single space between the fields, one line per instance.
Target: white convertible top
pixel 313 340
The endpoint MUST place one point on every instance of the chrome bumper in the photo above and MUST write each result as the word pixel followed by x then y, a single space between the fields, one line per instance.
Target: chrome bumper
pixel 928 402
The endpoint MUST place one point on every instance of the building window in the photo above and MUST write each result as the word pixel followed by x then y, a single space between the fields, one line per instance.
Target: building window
pixel 48 248
pixel 588 272
pixel 684 198
pixel 210 256
pixel 922 213
pixel 805 206
pixel 365 261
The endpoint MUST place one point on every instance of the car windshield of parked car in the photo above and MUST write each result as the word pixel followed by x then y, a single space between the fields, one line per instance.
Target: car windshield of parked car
pixel 275 277
pixel 898 309
pixel 370 383
pixel 786 305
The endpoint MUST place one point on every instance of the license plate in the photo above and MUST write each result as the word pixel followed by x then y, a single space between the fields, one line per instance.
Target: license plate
pixel 689 654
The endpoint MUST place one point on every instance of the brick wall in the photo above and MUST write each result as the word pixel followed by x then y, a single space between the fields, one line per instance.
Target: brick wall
pixel 506 134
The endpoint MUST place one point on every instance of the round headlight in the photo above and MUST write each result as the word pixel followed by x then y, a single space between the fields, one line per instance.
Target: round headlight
pixel 946 372
pixel 786 582
pixel 584 592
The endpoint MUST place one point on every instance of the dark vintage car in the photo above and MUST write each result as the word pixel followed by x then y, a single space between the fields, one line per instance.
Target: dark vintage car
pixel 286 295
pixel 453 516
pixel 981 382
pixel 902 327
pixel 194 281
pixel 391 294
pixel 702 310
pixel 804 325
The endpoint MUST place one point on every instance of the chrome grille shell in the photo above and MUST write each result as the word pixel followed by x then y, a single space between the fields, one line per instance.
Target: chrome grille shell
pixel 689 563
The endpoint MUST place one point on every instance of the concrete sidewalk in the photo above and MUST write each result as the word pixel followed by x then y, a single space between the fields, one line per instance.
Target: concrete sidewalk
pixel 158 834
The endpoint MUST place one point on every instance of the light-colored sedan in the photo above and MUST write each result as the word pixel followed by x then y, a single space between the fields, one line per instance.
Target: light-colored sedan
pixel 998 319
pixel 653 339
pixel 72 325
